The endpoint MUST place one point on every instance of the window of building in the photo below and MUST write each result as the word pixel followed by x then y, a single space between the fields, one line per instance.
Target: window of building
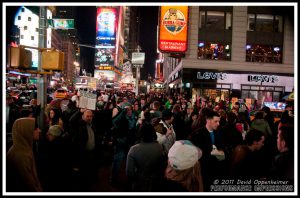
pixel 22 10
pixel 37 29
pixel 215 20
pixel 228 21
pixel 22 36
pixel 32 38
pixel 29 18
pixel 25 27
pixel 265 23
pixel 214 51
pixel 263 53
pixel 251 22
pixel 19 18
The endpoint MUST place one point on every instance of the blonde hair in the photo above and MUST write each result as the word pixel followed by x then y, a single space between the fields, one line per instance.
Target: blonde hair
pixel 191 178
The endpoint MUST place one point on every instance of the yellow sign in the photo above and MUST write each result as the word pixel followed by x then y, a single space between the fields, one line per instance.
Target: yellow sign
pixel 173 28
pixel 105 68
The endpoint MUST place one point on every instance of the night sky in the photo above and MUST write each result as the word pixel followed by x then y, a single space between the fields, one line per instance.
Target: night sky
pixel 85 22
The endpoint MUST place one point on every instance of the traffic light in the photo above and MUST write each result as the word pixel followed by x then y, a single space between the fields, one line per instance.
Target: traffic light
pixel 18 57
pixel 53 60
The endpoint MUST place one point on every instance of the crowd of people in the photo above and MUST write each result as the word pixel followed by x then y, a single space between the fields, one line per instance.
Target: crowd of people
pixel 167 142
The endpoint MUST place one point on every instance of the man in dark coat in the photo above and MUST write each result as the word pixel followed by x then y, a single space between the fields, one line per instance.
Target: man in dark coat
pixel 205 138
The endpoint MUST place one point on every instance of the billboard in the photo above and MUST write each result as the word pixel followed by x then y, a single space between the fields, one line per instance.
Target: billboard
pixel 106 26
pixel 104 75
pixel 173 26
pixel 104 57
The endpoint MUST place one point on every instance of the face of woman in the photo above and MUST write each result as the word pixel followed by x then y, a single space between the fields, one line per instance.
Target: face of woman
pixel 52 114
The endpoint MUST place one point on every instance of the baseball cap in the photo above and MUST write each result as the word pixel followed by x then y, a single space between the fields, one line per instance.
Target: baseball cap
pixel 183 155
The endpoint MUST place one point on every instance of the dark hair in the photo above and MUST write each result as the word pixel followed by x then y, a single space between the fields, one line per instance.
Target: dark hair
pixel 253 135
pixel 266 109
pixel 147 133
pixel 231 117
pixel 287 134
pixel 211 114
pixel 259 115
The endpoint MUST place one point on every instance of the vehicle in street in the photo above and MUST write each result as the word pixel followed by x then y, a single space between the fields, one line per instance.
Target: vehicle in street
pixel 60 94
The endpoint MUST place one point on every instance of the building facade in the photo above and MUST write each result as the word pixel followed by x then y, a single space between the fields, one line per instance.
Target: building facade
pixel 235 51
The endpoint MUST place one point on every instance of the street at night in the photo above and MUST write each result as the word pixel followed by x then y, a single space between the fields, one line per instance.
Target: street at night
pixel 149 99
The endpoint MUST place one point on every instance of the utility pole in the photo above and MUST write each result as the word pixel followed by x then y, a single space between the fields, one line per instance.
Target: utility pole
pixel 42 79
pixel 137 77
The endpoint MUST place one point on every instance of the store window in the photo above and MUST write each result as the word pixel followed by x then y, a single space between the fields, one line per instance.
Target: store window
pixel 214 51
pixel 263 53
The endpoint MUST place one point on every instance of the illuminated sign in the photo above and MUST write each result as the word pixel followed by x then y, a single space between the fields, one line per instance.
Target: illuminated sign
pixel 104 75
pixel 263 78
pixel 173 28
pixel 61 23
pixel 211 75
pixel 106 26
pixel 104 57
pixel 105 68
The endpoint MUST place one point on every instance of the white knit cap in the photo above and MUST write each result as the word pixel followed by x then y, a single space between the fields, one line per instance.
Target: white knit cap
pixel 183 155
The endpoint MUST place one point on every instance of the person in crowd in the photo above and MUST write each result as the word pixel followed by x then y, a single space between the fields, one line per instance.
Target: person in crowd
pixel 183 171
pixel 269 117
pixel 178 123
pixel 244 162
pixel 169 104
pixel 132 132
pixel 283 164
pixel 166 134
pixel 12 113
pixel 56 164
pixel 117 110
pixel 207 138
pixel 85 145
pixel 21 173
pixel 260 124
pixel 223 117
pixel 54 117
pixel 145 161
pixel 155 112
pixel 230 136
pixel 120 132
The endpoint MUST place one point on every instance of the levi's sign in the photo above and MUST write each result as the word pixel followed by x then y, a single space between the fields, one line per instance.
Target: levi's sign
pixel 263 78
pixel 212 75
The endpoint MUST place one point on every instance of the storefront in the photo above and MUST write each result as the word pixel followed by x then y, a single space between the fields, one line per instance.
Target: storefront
pixel 214 84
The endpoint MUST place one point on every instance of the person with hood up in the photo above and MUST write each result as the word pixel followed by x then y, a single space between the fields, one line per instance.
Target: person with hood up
pixel 20 163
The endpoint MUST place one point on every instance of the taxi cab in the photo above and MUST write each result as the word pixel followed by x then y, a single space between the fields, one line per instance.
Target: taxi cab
pixel 60 94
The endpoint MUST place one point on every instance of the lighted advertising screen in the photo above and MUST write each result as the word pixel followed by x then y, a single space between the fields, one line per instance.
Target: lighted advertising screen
pixel 104 75
pixel 104 57
pixel 279 106
pixel 173 29
pixel 106 26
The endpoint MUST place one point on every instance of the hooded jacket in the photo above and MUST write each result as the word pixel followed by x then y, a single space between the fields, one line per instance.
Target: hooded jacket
pixel 21 169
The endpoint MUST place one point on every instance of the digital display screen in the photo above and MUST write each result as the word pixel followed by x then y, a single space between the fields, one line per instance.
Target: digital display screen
pixel 275 105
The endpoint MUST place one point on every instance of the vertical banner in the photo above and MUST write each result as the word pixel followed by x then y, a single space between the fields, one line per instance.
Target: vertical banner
pixel 106 33
pixel 173 29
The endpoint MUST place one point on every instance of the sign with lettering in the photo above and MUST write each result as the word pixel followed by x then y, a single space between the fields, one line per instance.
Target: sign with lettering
pixel 211 75
pixel 263 78
pixel 173 28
